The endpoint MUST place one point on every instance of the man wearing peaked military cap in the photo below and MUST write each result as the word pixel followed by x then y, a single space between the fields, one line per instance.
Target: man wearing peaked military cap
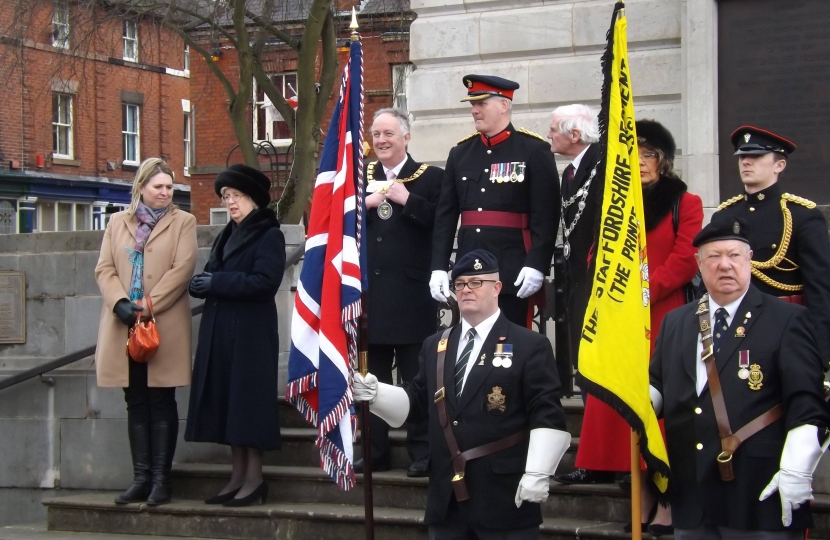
pixel 744 362
pixel 488 388
pixel 789 240
pixel 503 183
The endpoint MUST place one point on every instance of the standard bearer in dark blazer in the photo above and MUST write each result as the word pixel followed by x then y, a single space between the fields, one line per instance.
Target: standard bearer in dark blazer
pixel 503 183
pixel 789 239
pixel 738 378
pixel 496 426
pixel 400 213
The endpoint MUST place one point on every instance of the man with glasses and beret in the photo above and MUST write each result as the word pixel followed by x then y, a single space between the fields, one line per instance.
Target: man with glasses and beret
pixel 503 183
pixel 737 378
pixel 490 391
pixel 790 244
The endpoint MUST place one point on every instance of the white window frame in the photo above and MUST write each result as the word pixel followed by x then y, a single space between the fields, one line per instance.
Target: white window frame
pixel 217 211
pixel 60 24
pixel 271 113
pixel 130 38
pixel 400 84
pixel 56 216
pixel 186 67
pixel 64 101
pixel 188 142
pixel 127 135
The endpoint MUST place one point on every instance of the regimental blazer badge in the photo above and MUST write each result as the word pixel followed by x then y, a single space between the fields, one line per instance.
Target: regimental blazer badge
pixel 496 400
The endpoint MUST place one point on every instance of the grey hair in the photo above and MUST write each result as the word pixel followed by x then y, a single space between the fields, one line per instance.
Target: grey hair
pixel 581 117
pixel 397 114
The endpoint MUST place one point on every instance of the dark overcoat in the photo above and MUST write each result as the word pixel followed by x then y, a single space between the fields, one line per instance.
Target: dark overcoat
pixel 470 185
pixel 401 310
pixel 530 387
pixel 804 246
pixel 579 265
pixel 778 337
pixel 233 399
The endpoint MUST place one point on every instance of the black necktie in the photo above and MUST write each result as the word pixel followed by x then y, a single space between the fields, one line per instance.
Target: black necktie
pixel 720 328
pixel 569 173
pixel 461 365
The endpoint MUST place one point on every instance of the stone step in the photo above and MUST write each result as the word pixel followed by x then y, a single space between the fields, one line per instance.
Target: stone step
pixel 390 488
pixel 39 531
pixel 274 521
pixel 96 513
pixel 298 450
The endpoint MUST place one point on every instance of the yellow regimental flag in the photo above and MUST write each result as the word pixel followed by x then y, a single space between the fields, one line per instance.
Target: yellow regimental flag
pixel 614 349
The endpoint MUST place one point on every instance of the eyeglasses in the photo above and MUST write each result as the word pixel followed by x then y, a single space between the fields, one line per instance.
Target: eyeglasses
pixel 227 199
pixel 472 284
pixel 648 155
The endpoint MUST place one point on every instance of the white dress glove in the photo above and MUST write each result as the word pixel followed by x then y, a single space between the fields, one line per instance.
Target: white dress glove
pixel 656 399
pixel 439 285
pixel 530 280
pixel 544 451
pixel 795 478
pixel 365 388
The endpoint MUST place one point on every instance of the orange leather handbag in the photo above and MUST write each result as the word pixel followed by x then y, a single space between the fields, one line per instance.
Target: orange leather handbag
pixel 144 337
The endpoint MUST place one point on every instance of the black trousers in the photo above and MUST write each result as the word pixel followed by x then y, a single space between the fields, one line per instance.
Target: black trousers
pixel 380 365
pixel 146 405
pixel 514 308
pixel 455 527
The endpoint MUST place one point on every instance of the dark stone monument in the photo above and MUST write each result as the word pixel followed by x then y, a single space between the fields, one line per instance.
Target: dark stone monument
pixel 12 307
pixel 774 73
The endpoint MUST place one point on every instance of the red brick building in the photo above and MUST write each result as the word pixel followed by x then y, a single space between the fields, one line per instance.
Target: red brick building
pixel 384 28
pixel 81 110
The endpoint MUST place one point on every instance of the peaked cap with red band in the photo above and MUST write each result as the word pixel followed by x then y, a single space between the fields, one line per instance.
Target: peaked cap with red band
pixel 756 141
pixel 485 86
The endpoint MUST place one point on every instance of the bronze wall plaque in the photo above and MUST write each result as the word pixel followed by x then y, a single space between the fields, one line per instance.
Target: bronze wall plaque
pixel 774 73
pixel 12 306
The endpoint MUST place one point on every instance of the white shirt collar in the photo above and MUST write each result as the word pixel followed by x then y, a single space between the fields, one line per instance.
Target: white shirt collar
pixel 483 328
pixel 730 308
pixel 397 169
pixel 578 159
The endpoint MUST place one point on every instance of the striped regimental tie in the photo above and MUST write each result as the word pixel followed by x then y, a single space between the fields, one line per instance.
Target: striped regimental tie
pixel 461 365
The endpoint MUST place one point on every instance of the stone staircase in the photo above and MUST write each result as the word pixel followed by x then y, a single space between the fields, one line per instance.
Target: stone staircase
pixel 304 504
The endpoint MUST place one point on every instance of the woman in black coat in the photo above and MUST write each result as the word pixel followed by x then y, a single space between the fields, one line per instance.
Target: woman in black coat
pixel 233 399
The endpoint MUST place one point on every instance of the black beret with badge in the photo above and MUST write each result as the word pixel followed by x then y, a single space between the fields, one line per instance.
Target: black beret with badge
pixel 474 263
pixel 756 141
pixel 484 86
pixel 725 228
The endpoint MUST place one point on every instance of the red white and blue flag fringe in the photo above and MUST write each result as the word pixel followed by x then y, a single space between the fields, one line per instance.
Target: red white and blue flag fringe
pixel 323 353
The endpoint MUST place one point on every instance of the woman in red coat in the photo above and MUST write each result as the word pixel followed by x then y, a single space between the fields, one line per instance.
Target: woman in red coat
pixel 673 217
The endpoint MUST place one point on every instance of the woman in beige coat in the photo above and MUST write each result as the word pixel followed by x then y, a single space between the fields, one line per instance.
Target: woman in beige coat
pixel 148 253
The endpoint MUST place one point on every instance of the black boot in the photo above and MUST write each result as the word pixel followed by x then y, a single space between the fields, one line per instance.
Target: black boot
pixel 163 436
pixel 138 491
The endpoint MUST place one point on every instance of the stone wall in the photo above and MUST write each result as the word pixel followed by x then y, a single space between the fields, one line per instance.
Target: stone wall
pixel 71 434
pixel 552 49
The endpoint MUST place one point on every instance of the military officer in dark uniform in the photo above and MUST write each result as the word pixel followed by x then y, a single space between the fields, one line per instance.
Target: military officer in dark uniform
pixel 400 204
pixel 739 379
pixel 790 245
pixel 503 182
pixel 497 387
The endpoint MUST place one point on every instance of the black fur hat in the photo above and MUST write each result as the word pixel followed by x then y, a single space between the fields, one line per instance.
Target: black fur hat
pixel 246 179
pixel 657 136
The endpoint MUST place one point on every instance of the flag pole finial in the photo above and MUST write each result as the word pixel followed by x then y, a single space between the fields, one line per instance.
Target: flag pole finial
pixel 353 26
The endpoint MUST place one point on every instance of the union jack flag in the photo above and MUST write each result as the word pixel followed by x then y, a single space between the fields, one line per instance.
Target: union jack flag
pixel 327 304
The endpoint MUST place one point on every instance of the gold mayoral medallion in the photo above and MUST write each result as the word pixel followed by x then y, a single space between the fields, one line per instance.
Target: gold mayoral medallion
pixel 384 210
pixel 755 377
pixel 495 401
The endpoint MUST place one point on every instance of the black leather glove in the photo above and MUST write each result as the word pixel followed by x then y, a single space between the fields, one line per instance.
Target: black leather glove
pixel 201 284
pixel 126 311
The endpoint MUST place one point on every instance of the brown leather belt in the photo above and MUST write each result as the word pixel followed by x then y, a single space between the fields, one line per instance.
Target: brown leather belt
pixel 492 218
pixel 794 299
pixel 729 441
pixel 459 458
